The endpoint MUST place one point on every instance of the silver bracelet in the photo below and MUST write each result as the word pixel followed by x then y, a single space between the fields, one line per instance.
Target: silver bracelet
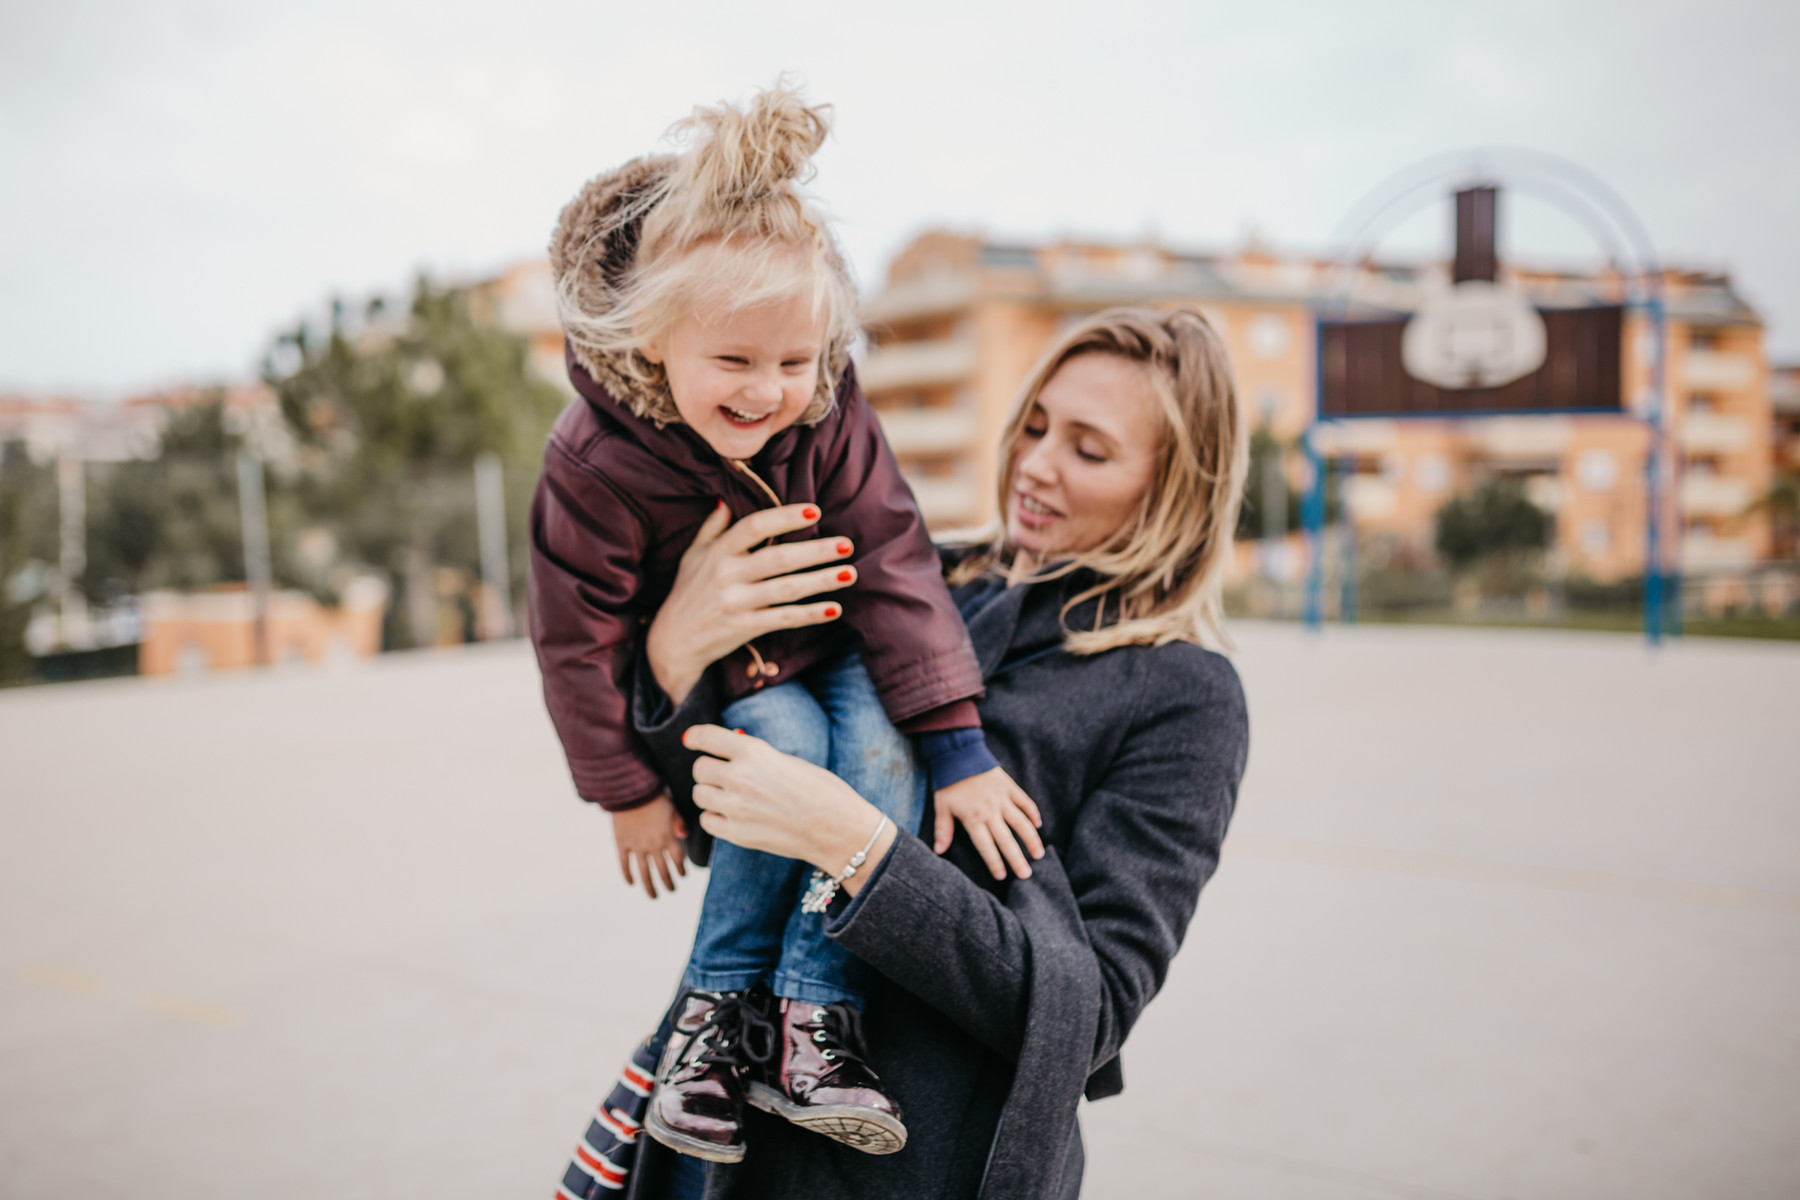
pixel 823 887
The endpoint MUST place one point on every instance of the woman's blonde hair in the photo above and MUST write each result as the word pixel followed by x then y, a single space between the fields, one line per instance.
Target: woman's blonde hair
pixel 722 226
pixel 1162 573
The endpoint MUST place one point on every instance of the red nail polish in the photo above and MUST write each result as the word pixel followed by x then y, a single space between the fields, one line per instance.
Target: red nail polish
pixel 740 733
pixel 843 547
pixel 810 513
pixel 846 576
pixel 831 610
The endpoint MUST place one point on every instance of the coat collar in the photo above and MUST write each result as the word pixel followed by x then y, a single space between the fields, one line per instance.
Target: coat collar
pixel 675 443
pixel 1027 619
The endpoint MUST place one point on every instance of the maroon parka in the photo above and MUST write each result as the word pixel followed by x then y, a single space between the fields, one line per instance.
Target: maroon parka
pixel 619 502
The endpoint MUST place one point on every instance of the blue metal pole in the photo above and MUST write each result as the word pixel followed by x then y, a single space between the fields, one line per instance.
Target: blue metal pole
pixel 1314 510
pixel 1653 504
pixel 1347 561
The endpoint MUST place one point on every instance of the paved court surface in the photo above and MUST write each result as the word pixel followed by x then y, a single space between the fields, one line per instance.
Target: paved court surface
pixel 1502 915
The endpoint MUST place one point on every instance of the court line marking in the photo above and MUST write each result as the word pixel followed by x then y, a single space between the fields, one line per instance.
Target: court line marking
pixel 169 1006
pixel 1481 870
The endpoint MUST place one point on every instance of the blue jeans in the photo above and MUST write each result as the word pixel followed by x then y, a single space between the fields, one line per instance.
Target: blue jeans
pixel 751 926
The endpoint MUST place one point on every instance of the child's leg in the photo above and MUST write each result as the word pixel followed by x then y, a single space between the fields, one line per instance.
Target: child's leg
pixel 748 892
pixel 881 763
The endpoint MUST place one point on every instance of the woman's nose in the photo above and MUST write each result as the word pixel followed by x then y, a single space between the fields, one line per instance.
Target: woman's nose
pixel 1035 465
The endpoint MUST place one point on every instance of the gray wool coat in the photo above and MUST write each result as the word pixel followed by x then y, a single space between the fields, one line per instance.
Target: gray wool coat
pixel 1000 1004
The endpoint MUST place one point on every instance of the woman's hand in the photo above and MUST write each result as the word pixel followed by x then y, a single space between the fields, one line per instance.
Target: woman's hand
pixel 759 798
pixel 647 835
pixel 727 592
pixel 998 815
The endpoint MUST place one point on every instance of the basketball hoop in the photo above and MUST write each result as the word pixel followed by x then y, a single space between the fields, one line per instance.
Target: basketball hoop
pixel 1476 335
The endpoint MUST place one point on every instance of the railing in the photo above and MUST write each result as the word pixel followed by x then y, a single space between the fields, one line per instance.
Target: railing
pixel 1714 496
pixel 918 364
pixel 1712 433
pixel 928 430
pixel 1718 370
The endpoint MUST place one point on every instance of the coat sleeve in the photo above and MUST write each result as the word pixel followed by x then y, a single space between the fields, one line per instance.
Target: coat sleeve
pixel 1093 934
pixel 914 642
pixel 587 543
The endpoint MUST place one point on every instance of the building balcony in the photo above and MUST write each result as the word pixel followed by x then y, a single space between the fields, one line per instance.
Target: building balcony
pixel 1717 371
pixel 928 296
pixel 1364 436
pixel 1547 492
pixel 917 365
pixel 1521 438
pixel 1370 497
pixel 1707 552
pixel 945 499
pixel 928 430
pixel 1712 433
pixel 1714 496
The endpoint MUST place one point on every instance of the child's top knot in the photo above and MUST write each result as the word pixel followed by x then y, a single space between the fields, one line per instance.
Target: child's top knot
pixel 741 173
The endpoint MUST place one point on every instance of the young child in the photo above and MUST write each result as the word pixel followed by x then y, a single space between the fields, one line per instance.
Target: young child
pixel 708 317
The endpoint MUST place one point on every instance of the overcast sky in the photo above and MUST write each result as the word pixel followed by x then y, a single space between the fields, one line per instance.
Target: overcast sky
pixel 179 180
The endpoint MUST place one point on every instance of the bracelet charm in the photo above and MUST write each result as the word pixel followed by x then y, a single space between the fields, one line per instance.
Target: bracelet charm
pixel 823 888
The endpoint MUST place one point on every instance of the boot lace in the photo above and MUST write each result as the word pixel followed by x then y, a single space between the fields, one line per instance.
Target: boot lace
pixel 843 1041
pixel 735 1034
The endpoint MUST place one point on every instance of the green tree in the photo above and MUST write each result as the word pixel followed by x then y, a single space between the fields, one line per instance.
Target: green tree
pixel 173 521
pixel 392 414
pixel 15 603
pixel 1267 454
pixel 1782 504
pixel 29 542
pixel 1495 520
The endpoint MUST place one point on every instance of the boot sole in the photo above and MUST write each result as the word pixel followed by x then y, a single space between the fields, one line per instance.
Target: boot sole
pixel 858 1126
pixel 694 1147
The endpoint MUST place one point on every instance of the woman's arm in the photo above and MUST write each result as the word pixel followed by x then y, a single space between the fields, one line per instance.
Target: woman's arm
pixel 1097 935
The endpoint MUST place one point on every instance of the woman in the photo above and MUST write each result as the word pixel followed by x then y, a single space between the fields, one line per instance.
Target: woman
pixel 1001 1001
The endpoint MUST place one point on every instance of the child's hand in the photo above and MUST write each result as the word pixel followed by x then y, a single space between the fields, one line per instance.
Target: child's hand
pixel 650 834
pixel 992 808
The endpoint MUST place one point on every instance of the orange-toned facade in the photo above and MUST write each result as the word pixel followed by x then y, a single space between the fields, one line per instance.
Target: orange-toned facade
pixel 214 629
pixel 962 319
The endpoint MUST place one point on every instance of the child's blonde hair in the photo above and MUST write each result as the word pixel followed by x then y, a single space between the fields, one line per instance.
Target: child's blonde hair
pixel 720 227
pixel 1163 572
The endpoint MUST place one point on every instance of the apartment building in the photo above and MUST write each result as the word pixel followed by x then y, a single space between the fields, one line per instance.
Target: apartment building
pixel 962 318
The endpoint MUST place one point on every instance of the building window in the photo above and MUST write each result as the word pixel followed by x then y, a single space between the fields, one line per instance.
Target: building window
pixel 1703 339
pixel 1596 538
pixel 1598 470
pixel 1268 335
pixel 1433 474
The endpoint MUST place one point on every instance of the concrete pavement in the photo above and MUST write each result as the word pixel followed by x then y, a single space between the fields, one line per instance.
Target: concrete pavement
pixel 1502 915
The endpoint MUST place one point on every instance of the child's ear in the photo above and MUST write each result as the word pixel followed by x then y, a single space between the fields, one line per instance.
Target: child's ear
pixel 651 352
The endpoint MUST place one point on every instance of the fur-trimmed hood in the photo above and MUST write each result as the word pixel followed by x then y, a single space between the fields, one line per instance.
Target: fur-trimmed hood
pixel 589 262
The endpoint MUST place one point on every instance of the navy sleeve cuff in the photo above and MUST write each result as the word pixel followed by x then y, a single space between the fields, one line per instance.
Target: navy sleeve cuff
pixel 952 755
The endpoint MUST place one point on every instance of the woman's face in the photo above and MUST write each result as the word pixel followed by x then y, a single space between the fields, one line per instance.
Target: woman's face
pixel 1085 458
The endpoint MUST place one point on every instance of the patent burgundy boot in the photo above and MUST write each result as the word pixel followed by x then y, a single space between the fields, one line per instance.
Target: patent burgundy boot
pixel 718 1040
pixel 823 1081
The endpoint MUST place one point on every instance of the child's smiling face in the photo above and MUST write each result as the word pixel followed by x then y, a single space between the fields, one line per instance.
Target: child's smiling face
pixel 741 377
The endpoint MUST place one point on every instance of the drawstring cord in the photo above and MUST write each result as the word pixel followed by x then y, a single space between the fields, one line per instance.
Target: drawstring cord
pixel 757 668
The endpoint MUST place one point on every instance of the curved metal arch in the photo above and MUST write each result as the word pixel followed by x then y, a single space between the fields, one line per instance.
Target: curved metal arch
pixel 1595 206
pixel 1567 186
